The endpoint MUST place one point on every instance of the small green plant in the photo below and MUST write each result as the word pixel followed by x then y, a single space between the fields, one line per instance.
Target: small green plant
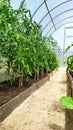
pixel 67 101
pixel 70 63
pixel 68 47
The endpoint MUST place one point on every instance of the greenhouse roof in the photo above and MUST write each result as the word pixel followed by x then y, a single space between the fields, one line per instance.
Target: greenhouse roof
pixel 51 14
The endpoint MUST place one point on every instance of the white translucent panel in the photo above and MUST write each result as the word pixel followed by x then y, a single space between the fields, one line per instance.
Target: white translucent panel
pixel 48 29
pixel 64 12
pixel 65 15
pixel 52 3
pixel 40 13
pixel 46 21
pixel 69 25
pixel 69 32
pixel 63 8
pixel 33 4
pixel 69 20
pixel 51 32
pixel 15 3
pixel 68 42
pixel 59 36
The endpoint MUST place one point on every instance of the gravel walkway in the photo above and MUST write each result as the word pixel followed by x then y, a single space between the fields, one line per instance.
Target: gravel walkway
pixel 42 110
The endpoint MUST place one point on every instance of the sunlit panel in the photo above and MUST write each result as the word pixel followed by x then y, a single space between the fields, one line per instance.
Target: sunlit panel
pixel 69 32
pixel 62 8
pixel 48 29
pixel 15 3
pixel 61 12
pixel 46 21
pixel 63 16
pixel 50 32
pixel 64 22
pixel 40 13
pixel 33 4
pixel 51 4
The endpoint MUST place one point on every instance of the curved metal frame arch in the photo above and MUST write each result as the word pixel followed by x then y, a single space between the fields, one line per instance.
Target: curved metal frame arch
pixel 64 19
pixel 48 13
pixel 54 9
pixel 60 5
pixel 37 9
pixel 60 26
pixel 56 17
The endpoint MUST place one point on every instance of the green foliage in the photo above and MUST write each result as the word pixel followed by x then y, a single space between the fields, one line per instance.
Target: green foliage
pixel 51 43
pixel 67 102
pixel 22 45
pixel 68 48
pixel 70 63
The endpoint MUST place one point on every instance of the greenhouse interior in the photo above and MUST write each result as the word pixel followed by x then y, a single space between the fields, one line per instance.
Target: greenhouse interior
pixel 36 65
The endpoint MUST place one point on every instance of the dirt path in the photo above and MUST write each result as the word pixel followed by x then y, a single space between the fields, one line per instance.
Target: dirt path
pixel 42 110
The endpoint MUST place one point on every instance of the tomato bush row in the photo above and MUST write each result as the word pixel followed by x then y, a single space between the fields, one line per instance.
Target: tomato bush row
pixel 22 45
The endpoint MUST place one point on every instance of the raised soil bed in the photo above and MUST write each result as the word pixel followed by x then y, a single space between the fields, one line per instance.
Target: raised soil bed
pixel 18 95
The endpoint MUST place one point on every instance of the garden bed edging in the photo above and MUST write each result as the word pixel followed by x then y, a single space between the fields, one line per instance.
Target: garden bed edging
pixel 8 107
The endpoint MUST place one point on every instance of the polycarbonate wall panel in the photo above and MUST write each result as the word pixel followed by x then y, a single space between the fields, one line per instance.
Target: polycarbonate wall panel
pixel 33 4
pixel 63 8
pixel 69 32
pixel 52 3
pixel 40 13
pixel 50 32
pixel 15 4
pixel 45 21
pixel 69 20
pixel 48 28
pixel 64 16
pixel 55 13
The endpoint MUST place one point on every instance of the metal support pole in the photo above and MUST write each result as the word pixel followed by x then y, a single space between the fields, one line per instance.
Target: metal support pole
pixel 64 44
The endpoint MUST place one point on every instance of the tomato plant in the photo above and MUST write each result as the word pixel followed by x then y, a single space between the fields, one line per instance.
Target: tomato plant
pixel 22 45
pixel 70 63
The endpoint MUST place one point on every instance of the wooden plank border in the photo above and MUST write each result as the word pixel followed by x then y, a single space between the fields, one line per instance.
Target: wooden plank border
pixel 8 107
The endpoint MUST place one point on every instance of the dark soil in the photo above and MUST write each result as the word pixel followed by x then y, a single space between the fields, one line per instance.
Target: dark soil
pixel 7 91
pixel 71 74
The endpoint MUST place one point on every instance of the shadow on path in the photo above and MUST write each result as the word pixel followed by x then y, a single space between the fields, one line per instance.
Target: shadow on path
pixel 55 127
